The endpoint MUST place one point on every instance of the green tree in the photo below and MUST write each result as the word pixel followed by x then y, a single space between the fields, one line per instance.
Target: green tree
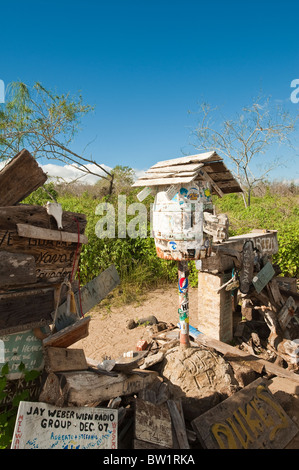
pixel 45 123
pixel 258 128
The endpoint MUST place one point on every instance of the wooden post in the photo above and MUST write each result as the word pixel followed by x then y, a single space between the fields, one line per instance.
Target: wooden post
pixel 183 281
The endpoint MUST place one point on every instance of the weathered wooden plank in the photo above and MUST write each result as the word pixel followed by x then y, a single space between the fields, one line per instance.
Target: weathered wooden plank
pixel 39 217
pixel 262 278
pixel 178 424
pixel 69 335
pixel 153 423
pixel 249 419
pixel 26 307
pixel 21 347
pixel 175 168
pixel 215 185
pixel 164 181
pixel 246 273
pixel 171 174
pixel 287 283
pixel 63 359
pixel 30 231
pixel 202 157
pixel 54 260
pixel 19 178
pixel 254 362
pixel 287 312
pixel 265 241
pixel 85 387
pixel 40 426
pixel 93 292
pixel 16 269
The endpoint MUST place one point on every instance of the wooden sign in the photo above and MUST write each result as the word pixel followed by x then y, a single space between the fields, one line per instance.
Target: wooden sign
pixel 97 289
pixel 153 423
pixel 54 255
pixel 286 313
pixel 263 277
pixel 19 178
pixel 42 426
pixel 249 419
pixel 22 347
pixel 91 294
pixel 246 273
pixel 16 269
pixel 287 283
pixel 25 307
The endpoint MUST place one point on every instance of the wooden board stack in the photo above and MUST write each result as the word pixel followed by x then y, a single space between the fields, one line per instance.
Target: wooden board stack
pixel 39 252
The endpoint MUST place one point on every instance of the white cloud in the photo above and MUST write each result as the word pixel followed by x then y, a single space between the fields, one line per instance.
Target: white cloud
pixel 70 173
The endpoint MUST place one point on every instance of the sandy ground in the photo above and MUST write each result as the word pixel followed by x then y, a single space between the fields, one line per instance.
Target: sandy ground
pixel 109 336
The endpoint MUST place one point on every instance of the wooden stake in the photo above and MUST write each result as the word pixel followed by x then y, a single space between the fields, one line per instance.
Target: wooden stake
pixel 183 310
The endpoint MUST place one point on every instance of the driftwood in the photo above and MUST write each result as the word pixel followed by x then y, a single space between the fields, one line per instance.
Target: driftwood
pixel 16 269
pixel 84 388
pixel 19 178
pixel 250 360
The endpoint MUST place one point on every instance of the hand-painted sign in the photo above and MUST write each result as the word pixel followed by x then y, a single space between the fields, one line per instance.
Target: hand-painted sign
pixel 42 426
pixel 23 347
pixel 249 419
pixel 263 277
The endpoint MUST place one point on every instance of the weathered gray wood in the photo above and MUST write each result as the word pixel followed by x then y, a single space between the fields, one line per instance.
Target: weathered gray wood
pixel 198 158
pixel 153 424
pixel 25 307
pixel 191 167
pixel 38 217
pixel 265 241
pixel 19 178
pixel 16 269
pixel 246 273
pixel 93 292
pixel 63 359
pixel 249 419
pixel 287 283
pixel 54 260
pixel 262 278
pixel 179 425
pixel 30 231
pixel 85 387
pixel 286 313
pixel 207 177
pixel 69 335
pixel 164 181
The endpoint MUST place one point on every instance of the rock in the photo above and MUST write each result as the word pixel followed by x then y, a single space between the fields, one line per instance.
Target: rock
pixel 150 320
pixel 198 376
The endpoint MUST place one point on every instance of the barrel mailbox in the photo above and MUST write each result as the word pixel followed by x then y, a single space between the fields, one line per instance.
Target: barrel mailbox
pixel 178 220
pixel 183 188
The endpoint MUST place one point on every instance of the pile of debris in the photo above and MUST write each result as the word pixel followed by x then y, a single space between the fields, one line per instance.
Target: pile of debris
pixel 211 394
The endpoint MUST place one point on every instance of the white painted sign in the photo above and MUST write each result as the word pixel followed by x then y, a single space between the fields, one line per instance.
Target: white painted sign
pixel 144 193
pixel 42 426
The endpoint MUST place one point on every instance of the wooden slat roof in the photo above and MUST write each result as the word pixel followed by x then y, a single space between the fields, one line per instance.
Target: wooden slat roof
pixel 206 166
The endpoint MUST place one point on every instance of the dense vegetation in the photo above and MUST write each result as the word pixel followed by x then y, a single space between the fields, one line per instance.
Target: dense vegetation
pixel 274 207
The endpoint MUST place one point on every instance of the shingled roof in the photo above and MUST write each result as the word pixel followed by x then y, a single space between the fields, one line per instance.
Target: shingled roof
pixel 201 167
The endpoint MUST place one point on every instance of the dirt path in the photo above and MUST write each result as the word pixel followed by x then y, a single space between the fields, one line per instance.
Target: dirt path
pixel 108 332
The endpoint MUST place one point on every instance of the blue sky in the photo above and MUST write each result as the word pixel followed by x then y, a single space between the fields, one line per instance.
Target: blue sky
pixel 145 64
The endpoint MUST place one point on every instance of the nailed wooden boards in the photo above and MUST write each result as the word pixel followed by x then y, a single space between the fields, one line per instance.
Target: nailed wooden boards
pixel 250 419
pixel 54 258
pixel 42 426
pixel 202 167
